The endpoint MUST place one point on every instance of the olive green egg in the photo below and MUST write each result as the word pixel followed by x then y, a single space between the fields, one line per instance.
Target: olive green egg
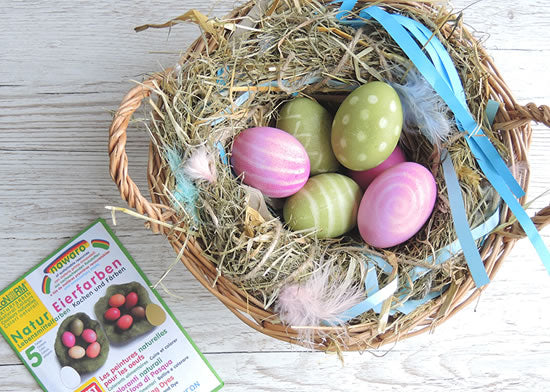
pixel 76 327
pixel 328 203
pixel 367 126
pixel 311 124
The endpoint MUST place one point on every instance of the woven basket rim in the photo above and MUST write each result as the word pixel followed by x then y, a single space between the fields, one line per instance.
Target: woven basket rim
pixel 512 119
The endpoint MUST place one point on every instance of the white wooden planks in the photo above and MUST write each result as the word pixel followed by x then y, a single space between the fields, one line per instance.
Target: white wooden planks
pixel 65 65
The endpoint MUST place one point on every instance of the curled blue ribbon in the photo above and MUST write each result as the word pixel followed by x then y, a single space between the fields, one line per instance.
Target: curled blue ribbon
pixel 371 279
pixel 488 158
pixel 443 77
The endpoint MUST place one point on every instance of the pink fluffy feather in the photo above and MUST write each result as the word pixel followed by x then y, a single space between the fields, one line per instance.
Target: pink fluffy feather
pixel 320 298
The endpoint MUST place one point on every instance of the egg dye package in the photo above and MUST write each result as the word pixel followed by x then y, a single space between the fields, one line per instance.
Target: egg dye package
pixel 87 319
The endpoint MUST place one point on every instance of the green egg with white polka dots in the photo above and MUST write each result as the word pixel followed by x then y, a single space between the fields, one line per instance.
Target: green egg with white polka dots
pixel 367 126
pixel 310 123
pixel 328 203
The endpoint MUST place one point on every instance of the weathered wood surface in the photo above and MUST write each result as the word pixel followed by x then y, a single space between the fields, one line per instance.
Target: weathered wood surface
pixel 65 65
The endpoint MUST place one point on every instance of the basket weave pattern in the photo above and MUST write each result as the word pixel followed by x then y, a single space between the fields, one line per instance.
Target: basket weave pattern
pixel 512 121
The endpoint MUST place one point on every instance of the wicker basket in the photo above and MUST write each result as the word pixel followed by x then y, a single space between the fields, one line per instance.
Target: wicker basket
pixel 512 121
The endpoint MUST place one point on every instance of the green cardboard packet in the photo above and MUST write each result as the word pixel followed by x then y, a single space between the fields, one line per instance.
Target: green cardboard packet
pixel 76 282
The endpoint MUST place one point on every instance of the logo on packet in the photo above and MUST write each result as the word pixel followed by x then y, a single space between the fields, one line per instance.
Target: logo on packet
pixel 102 244
pixel 70 254
pixel 46 284
pixel 91 386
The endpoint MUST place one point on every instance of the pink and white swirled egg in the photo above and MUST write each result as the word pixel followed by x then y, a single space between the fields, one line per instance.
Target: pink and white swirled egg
pixel 396 205
pixel 270 160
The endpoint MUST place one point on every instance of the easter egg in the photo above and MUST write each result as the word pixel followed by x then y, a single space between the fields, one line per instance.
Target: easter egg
pixel 311 124
pixel 70 377
pixel 367 126
pixel 131 300
pixel 76 352
pixel 76 327
pixel 138 312
pixel 270 160
pixel 112 314
pixel 92 351
pixel 117 300
pixel 365 177
pixel 155 314
pixel 89 335
pixel 396 205
pixel 328 203
pixel 124 322
pixel 68 339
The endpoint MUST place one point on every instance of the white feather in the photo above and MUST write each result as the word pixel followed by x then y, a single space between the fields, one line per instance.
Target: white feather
pixel 520 170
pixel 201 165
pixel 423 108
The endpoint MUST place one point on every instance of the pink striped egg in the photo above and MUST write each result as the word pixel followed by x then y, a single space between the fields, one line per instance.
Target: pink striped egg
pixel 396 205
pixel 270 160
pixel 363 178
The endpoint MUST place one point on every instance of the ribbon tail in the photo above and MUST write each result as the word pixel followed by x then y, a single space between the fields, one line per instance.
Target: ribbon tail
pixel 460 221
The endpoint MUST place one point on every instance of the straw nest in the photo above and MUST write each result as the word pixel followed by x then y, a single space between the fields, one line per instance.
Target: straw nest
pixel 244 256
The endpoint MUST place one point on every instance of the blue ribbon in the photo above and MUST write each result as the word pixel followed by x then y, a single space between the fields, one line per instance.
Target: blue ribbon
pixel 444 80
pixel 488 158
pixel 223 154
pixel 487 152
pixel 454 248
pixel 462 228
pixel 431 74
pixel 375 295
pixel 411 305
pixel 491 110
pixel 447 85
